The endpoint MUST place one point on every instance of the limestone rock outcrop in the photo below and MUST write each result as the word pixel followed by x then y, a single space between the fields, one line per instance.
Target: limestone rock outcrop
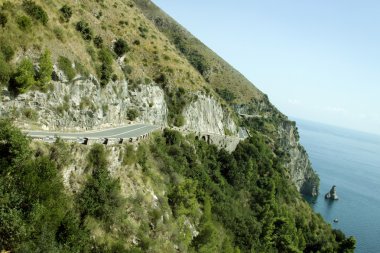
pixel 83 104
pixel 206 115
pixel 332 194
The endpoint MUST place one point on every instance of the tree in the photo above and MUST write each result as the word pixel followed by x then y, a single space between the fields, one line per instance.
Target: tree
pixel 101 194
pixel 120 47
pixel 23 79
pixel 105 69
pixel 46 69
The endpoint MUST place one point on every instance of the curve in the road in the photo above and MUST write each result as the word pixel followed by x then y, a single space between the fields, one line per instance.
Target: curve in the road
pixel 130 131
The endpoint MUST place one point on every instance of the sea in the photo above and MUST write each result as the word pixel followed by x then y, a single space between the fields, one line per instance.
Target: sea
pixel 350 160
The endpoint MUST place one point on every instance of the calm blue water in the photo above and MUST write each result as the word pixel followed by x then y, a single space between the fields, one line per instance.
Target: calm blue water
pixel 351 161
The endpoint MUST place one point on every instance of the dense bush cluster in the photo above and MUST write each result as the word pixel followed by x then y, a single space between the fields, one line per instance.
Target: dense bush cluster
pixel 98 41
pixel 176 100
pixel 3 19
pixel 120 47
pixel 245 195
pixel 36 215
pixel 24 23
pixel 35 11
pixel 105 68
pixel 66 66
pixel 84 28
pixel 226 94
pixel 23 78
pixel 5 71
pixel 66 13
pixel 132 114
pixel 240 201
pixel 26 75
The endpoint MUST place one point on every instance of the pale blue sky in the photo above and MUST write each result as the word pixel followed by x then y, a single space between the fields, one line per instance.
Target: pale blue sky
pixel 317 60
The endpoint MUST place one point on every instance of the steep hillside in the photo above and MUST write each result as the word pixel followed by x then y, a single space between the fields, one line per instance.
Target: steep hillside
pixel 240 93
pixel 218 73
pixel 75 65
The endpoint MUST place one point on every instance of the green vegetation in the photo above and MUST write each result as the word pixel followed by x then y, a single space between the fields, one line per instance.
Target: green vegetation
pixel 45 69
pixel 23 78
pixel 120 47
pixel 6 50
pixel 35 213
pixel 176 101
pixel 3 19
pixel 132 114
pixel 66 12
pixel 66 66
pixel 100 196
pixel 30 114
pixel 247 193
pixel 84 28
pixel 98 41
pixel 5 71
pixel 24 23
pixel 35 11
pixel 240 202
pixel 105 68
pixel 226 94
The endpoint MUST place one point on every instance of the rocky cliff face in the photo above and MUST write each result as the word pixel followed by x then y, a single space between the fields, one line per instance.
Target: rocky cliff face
pixel 284 133
pixel 82 104
pixel 207 115
pixel 299 166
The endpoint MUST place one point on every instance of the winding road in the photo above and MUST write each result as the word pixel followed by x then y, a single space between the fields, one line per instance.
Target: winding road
pixel 124 132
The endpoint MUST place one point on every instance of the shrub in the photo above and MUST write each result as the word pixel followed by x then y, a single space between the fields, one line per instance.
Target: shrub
pixel 46 68
pixel 30 114
pixel 65 65
pixel 5 71
pixel 81 69
pixel 226 94
pixel 35 11
pixel 120 47
pixel 105 68
pixel 84 29
pixel 98 41
pixel 59 33
pixel 3 19
pixel 179 120
pixel 66 13
pixel 101 194
pixel 23 78
pixel 132 114
pixel 7 50
pixel 24 23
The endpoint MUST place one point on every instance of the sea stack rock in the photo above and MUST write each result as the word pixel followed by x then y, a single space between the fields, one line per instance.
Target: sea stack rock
pixel 332 194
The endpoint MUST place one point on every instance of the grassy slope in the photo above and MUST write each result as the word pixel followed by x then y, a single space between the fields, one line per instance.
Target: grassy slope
pixel 220 74
pixel 154 54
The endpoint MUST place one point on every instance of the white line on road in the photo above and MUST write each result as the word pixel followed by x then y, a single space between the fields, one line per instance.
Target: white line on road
pixel 127 131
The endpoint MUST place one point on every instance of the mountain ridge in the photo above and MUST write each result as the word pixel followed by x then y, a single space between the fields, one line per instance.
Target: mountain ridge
pixel 88 64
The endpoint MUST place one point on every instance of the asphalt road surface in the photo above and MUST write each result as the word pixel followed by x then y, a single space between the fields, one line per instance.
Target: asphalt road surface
pixel 129 131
